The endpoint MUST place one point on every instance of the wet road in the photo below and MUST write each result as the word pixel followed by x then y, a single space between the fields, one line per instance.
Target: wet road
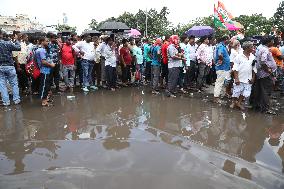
pixel 131 139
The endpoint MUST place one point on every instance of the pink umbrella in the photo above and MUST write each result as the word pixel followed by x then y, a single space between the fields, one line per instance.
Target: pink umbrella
pixel 134 32
pixel 232 27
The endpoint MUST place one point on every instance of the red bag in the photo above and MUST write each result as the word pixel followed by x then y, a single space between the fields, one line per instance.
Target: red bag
pixel 32 68
pixel 137 75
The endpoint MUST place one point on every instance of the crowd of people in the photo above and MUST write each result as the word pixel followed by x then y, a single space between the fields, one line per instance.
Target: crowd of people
pixel 248 72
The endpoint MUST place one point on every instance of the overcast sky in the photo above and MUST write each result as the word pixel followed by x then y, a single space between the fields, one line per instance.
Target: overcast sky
pixel 80 12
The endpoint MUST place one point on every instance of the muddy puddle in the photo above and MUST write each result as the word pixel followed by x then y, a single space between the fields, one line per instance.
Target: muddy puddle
pixel 132 139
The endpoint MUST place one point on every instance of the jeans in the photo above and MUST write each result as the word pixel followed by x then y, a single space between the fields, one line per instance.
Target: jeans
pixel 155 77
pixel 69 75
pixel 87 66
pixel 103 72
pixel 8 73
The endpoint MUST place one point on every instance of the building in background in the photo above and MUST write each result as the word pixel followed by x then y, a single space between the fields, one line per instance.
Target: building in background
pixel 20 22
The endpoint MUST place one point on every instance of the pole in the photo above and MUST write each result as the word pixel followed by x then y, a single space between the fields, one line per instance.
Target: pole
pixel 146 31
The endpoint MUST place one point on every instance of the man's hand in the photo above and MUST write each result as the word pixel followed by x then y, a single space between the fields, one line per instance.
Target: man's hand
pixel 52 65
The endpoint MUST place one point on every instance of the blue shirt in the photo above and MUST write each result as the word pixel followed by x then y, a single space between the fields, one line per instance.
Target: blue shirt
pixel 6 48
pixel 147 49
pixel 156 59
pixel 41 55
pixel 222 50
pixel 137 52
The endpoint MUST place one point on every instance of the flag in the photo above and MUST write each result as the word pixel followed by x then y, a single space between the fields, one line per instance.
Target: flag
pixel 227 17
pixel 218 20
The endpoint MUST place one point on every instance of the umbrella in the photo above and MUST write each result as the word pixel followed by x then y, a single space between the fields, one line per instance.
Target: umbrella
pixel 32 31
pixel 231 27
pixel 200 31
pixel 113 26
pixel 134 32
pixel 92 32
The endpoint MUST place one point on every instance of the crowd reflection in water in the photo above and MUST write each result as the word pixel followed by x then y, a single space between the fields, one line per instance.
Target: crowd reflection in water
pixel 115 120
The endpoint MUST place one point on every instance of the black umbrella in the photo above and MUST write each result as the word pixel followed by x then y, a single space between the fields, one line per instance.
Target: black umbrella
pixel 113 26
pixel 92 33
pixel 65 32
pixel 32 31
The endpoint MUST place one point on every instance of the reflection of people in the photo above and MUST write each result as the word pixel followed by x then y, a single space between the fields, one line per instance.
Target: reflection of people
pixel 117 138
pixel 244 173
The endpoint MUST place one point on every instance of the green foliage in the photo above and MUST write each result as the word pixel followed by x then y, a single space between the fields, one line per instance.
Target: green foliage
pixel 159 25
pixel 278 18
pixel 255 24
pixel 61 27
pixel 94 24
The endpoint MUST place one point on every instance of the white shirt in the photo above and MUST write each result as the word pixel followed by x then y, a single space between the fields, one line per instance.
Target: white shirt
pixel 192 52
pixel 87 48
pixel 101 49
pixel 110 56
pixel 204 54
pixel 186 49
pixel 173 63
pixel 234 54
pixel 243 66
pixel 23 54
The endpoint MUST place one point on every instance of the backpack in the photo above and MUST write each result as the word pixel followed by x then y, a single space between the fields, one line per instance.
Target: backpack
pixel 32 67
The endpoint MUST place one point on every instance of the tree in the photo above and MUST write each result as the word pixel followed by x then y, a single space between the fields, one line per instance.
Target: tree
pixel 278 18
pixel 158 23
pixel 61 27
pixel 94 24
pixel 255 24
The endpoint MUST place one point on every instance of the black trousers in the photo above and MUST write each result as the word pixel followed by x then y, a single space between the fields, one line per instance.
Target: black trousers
pixel 126 74
pixel 148 72
pixel 97 73
pixel 193 69
pixel 261 93
pixel 23 78
pixel 110 76
pixel 165 72
pixel 55 76
pixel 44 85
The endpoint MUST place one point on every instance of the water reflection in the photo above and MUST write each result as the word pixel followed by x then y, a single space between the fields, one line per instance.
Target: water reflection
pixel 117 119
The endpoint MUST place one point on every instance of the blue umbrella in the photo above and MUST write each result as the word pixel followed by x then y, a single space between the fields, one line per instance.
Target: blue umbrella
pixel 200 31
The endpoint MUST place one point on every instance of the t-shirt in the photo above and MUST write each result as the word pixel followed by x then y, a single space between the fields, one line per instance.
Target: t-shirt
pixel 275 53
pixel 41 55
pixel 147 49
pixel 164 50
pixel 137 52
pixel 221 49
pixel 173 63
pixel 67 55
pixel 156 52
pixel 125 53
pixel 243 66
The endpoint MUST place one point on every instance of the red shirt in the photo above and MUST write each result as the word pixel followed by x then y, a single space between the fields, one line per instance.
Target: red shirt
pixel 67 54
pixel 125 53
pixel 164 50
